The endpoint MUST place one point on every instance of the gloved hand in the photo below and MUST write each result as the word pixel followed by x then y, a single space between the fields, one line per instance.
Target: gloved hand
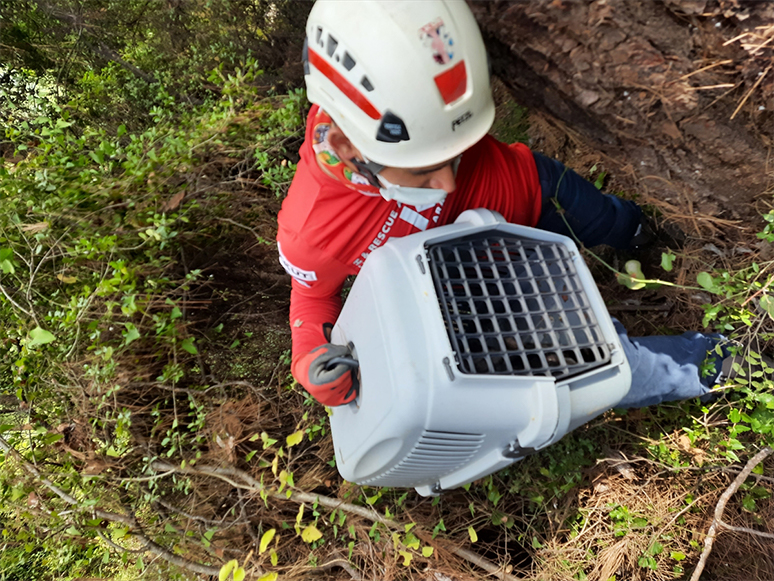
pixel 330 382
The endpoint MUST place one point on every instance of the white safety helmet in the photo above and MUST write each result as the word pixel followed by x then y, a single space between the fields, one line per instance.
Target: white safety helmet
pixel 407 81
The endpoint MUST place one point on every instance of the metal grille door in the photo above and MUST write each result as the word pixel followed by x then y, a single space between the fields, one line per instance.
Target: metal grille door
pixel 515 306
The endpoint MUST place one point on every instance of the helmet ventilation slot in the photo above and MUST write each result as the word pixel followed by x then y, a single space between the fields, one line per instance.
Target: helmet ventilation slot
pixel 349 62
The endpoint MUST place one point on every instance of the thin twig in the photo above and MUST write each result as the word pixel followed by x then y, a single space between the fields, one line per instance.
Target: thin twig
pixel 258 237
pixel 485 564
pixel 344 564
pixel 118 547
pixel 145 478
pixel 746 530
pixel 17 305
pixel 709 540
pixel 750 92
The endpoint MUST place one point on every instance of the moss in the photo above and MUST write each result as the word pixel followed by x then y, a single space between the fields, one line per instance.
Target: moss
pixel 511 123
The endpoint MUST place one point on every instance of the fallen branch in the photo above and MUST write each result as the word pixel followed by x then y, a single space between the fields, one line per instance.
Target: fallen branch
pixel 69 499
pixel 129 520
pixel 229 475
pixel 709 540
pixel 176 560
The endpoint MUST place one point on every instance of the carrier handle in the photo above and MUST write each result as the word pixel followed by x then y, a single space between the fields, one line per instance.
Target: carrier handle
pixel 348 361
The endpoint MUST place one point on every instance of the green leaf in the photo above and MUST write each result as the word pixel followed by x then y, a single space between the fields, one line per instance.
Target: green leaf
pixel 187 345
pixel 40 336
pixel 639 522
pixel 427 552
pixel 131 333
pixel 72 531
pixel 119 534
pixel 633 270
pixel 239 574
pixel 6 261
pixel 310 534
pixel 168 528
pixel 472 534
pixel 667 260
pixel 270 576
pixel 677 555
pixel 706 281
pixel 274 558
pixel 406 557
pixel 295 438
pixel 536 544
pixel 767 304
pixel 266 538
pixel 226 569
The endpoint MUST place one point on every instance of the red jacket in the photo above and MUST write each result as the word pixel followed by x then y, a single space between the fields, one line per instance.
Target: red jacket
pixel 329 224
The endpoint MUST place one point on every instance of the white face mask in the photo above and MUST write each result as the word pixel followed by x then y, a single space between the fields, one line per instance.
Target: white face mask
pixel 410 196
pixel 413 196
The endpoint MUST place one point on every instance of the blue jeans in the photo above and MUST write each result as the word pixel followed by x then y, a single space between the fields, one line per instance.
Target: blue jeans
pixel 664 368
pixel 668 367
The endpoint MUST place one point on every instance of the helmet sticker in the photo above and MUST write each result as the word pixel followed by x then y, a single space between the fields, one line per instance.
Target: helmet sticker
pixel 329 162
pixel 437 38
pixel 321 133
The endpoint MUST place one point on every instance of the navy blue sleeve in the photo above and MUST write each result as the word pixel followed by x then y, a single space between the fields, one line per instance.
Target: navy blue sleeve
pixel 595 218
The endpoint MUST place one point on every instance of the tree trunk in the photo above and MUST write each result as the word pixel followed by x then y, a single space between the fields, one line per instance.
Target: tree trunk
pixel 669 88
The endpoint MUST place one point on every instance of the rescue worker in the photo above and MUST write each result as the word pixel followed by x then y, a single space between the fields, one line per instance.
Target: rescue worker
pixel 396 143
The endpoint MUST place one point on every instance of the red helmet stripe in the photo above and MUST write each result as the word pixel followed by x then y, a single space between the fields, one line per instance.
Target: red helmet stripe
pixel 452 83
pixel 343 85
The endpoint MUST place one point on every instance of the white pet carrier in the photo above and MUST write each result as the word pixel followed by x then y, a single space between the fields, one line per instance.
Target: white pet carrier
pixel 478 343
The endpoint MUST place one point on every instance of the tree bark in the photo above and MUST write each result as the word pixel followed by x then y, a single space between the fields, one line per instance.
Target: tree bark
pixel 654 85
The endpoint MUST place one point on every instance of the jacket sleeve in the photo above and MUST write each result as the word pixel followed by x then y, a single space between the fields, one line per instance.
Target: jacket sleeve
pixel 315 296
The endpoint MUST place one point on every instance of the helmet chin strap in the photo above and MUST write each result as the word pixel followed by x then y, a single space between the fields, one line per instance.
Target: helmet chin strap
pixel 389 191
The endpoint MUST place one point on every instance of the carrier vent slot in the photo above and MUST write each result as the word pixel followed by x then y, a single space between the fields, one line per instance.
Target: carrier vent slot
pixel 434 455
pixel 515 306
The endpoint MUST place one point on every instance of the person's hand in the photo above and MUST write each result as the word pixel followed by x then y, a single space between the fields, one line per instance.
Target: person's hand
pixel 328 373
